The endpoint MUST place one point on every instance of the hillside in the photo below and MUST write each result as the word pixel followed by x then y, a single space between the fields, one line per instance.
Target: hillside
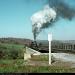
pixel 15 41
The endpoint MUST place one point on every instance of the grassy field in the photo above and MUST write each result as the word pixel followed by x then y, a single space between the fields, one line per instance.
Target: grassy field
pixel 18 66
pixel 10 51
pixel 37 64
pixel 9 46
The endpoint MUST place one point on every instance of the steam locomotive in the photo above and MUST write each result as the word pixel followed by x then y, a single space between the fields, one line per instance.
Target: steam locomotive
pixel 39 47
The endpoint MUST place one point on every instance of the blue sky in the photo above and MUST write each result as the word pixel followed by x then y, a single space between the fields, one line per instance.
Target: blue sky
pixel 15 20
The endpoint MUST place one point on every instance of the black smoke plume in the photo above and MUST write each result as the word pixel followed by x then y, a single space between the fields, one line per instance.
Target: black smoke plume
pixel 62 8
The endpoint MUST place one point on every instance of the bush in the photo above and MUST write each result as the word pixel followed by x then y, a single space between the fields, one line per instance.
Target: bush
pixel 13 53
pixel 20 54
pixel 1 54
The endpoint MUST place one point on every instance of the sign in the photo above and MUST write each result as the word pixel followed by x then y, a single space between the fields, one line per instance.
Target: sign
pixel 49 37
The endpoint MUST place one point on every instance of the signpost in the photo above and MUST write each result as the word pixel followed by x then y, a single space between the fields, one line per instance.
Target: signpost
pixel 49 39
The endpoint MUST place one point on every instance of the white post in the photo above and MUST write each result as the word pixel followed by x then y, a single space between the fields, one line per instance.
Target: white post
pixel 49 39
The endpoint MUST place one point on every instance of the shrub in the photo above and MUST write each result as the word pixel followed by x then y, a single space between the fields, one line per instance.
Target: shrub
pixel 13 53
pixel 1 54
pixel 20 54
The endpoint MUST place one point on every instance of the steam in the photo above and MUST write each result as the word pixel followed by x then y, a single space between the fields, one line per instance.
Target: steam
pixel 42 19
pixel 46 17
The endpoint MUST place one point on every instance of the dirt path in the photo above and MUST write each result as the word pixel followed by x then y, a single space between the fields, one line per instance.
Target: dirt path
pixel 62 60
pixel 65 57
pixel 56 64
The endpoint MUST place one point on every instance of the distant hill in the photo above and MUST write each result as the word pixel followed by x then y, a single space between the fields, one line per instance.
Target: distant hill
pixel 16 41
pixel 28 41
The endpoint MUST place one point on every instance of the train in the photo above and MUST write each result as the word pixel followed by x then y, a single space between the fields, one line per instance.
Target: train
pixel 56 46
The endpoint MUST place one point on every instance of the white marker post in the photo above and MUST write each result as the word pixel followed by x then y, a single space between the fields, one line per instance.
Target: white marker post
pixel 49 39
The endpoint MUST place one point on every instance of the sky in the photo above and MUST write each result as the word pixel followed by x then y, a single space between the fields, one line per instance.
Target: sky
pixel 15 20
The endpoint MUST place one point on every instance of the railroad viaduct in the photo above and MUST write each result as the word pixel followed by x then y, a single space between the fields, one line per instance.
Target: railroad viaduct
pixel 63 47
pixel 57 46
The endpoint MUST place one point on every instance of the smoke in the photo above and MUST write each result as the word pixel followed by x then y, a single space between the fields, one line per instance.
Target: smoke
pixel 46 17
pixel 62 8
pixel 42 19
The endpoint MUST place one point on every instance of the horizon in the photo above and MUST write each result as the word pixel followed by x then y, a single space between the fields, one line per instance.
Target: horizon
pixel 31 39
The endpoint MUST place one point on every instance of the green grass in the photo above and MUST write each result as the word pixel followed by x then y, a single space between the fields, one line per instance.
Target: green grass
pixel 40 58
pixel 18 66
pixel 8 51
pixel 47 69
pixel 9 46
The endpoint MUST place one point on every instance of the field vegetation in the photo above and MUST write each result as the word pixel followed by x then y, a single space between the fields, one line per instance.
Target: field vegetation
pixel 12 61
pixel 11 51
